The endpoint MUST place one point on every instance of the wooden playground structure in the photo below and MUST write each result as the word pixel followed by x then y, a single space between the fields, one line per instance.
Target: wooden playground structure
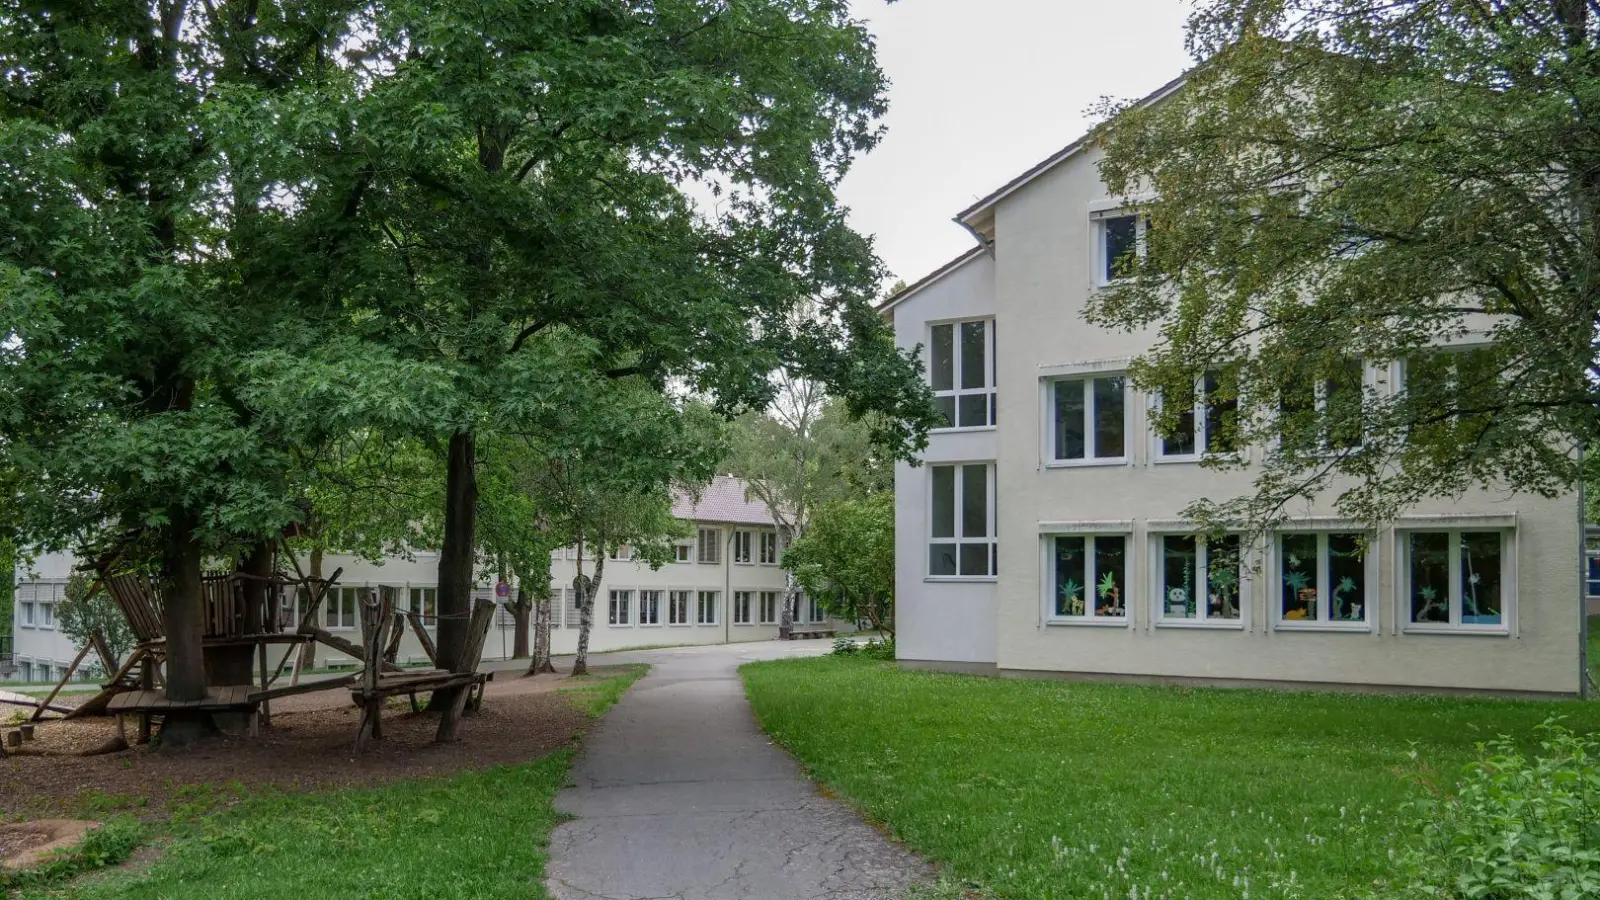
pixel 232 620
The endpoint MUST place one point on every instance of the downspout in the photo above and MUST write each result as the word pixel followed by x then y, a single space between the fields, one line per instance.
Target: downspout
pixel 727 589
pixel 1583 585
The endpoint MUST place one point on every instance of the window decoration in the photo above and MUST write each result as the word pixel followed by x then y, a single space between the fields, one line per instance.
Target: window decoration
pixel 1455 578
pixel 1324 578
pixel 1090 576
pixel 1200 579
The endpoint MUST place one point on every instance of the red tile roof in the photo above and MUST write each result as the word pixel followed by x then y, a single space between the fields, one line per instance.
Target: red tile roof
pixel 723 500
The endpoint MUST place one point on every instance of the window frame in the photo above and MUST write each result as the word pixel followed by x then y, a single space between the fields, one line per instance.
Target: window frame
pixel 1508 581
pixel 654 596
pixel 990 514
pixel 1319 400
pixel 768 614
pixel 768 541
pixel 956 391
pixel 1099 265
pixel 619 599
pixel 1369 609
pixel 415 592
pixel 1051 461
pixel 338 594
pixel 1047 571
pixel 27 608
pixel 683 552
pixel 1156 548
pixel 673 596
pixel 742 610
pixel 1202 430
pixel 700 608
pixel 714 558
pixel 743 547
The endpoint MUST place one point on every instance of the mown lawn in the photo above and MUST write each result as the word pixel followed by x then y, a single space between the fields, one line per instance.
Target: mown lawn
pixel 476 836
pixel 1041 789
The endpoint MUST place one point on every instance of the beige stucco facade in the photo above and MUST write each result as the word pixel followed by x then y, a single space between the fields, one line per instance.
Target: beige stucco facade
pixel 1032 280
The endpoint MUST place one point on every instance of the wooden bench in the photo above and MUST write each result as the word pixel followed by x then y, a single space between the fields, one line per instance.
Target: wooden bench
pixel 799 634
pixel 224 698
pixel 376 685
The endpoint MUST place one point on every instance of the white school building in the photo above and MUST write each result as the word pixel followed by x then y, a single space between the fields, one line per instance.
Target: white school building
pixel 725 585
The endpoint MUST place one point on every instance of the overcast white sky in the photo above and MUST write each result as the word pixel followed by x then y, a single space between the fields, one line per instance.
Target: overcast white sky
pixel 983 89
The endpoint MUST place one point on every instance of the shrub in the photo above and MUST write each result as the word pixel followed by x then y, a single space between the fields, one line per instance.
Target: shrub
pixel 873 649
pixel 1516 828
pixel 843 646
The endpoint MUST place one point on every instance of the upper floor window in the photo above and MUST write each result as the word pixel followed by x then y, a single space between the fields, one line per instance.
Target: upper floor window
pixel 1332 405
pixel 621 552
pixel 961 518
pixel 1324 578
pixel 1205 425
pixel 1453 388
pixel 769 548
pixel 741 546
pixel 683 553
pixel 962 372
pixel 1119 242
pixel 710 545
pixel 27 612
pixel 1455 579
pixel 1090 419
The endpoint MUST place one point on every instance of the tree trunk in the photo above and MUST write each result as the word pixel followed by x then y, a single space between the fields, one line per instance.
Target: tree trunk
pixel 519 615
pixel 308 650
pixel 586 589
pixel 184 620
pixel 786 618
pixel 541 637
pixel 455 557
pixel 236 665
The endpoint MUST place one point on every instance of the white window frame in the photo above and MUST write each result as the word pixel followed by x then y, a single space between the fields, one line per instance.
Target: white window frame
pixel 956 391
pixel 1319 400
pixel 424 593
pixel 768 548
pixel 620 553
pixel 1202 432
pixel 27 607
pixel 743 547
pixel 619 603
pixel 678 615
pixel 742 607
pixel 1047 567
pixel 337 595
pixel 1050 460
pixel 991 515
pixel 700 607
pixel 1369 609
pixel 814 613
pixel 1097 241
pixel 571 614
pixel 714 558
pixel 1508 582
pixel 654 606
pixel 47 614
pixel 769 602
pixel 1202 619
pixel 683 553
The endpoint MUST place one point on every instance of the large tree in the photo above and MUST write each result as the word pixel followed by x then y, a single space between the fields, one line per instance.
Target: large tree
pixel 528 166
pixel 1389 182
pixel 846 559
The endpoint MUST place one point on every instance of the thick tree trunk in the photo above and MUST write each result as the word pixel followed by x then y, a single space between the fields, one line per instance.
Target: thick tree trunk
pixel 519 629
pixel 455 557
pixel 541 637
pixel 185 624
pixel 786 618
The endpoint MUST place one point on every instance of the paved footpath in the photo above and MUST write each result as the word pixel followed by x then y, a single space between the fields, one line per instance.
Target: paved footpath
pixel 680 796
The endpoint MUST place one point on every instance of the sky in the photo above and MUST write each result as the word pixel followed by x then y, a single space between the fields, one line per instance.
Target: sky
pixel 980 90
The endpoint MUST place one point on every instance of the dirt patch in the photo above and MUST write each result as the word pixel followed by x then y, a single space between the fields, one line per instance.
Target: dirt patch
pixel 24 844
pixel 309 745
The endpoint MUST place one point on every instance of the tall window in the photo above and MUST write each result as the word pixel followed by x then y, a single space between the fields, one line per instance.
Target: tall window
pixel 1199 579
pixel 342 604
pixel 1204 425
pixel 678 607
pixel 47 615
pixel 649 607
pixel 741 607
pixel 961 542
pixel 27 612
pixel 1455 578
pixel 814 611
pixel 1090 419
pixel 1323 578
pixel 1090 576
pixel 769 548
pixel 769 607
pixel 1119 242
pixel 1332 405
pixel 425 603
pixel 1462 383
pixel 962 372
pixel 741 547
pixel 710 545
pixel 618 610
pixel 706 610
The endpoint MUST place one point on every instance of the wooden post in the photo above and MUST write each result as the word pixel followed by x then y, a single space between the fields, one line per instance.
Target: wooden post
pixel 14 739
pixel 415 618
pixel 376 619
pixel 108 660
pixel 38 712
pixel 397 631
pixel 265 708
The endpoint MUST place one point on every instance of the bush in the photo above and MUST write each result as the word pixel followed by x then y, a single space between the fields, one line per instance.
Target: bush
pixel 1515 829
pixel 873 649
pixel 843 646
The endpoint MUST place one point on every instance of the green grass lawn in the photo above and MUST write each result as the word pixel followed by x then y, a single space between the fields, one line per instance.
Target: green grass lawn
pixel 476 835
pixel 1047 789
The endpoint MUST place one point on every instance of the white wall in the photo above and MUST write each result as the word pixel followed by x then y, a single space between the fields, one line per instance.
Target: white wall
pixel 38 643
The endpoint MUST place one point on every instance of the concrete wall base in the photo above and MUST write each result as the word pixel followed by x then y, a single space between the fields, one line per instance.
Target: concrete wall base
pixel 952 666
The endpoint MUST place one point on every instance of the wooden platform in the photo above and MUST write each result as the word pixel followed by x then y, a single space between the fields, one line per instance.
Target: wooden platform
pixel 217 699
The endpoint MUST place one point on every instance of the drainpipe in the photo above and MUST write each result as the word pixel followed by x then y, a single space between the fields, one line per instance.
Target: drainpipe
pixel 1583 585
pixel 727 589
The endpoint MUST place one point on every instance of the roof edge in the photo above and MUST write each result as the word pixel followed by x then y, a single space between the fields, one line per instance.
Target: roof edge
pixel 905 293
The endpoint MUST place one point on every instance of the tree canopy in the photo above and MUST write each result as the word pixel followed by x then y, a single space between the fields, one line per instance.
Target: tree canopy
pixel 1395 184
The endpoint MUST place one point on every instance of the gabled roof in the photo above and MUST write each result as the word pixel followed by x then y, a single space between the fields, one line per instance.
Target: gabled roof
pixel 966 217
pixel 723 500
pixel 905 293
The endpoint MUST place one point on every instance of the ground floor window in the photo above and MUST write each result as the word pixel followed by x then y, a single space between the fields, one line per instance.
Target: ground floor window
pixel 706 610
pixel 618 610
pixel 649 607
pixel 1090 576
pixel 1455 578
pixel 570 601
pixel 814 610
pixel 678 607
pixel 769 607
pixel 1323 577
pixel 25 671
pixel 741 607
pixel 342 605
pixel 1197 579
pixel 425 603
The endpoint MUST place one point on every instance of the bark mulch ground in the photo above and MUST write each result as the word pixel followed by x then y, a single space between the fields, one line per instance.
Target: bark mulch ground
pixel 309 746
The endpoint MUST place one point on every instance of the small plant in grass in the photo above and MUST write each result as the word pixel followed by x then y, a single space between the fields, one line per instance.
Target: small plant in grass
pixel 843 646
pixel 1516 827
pixel 111 843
